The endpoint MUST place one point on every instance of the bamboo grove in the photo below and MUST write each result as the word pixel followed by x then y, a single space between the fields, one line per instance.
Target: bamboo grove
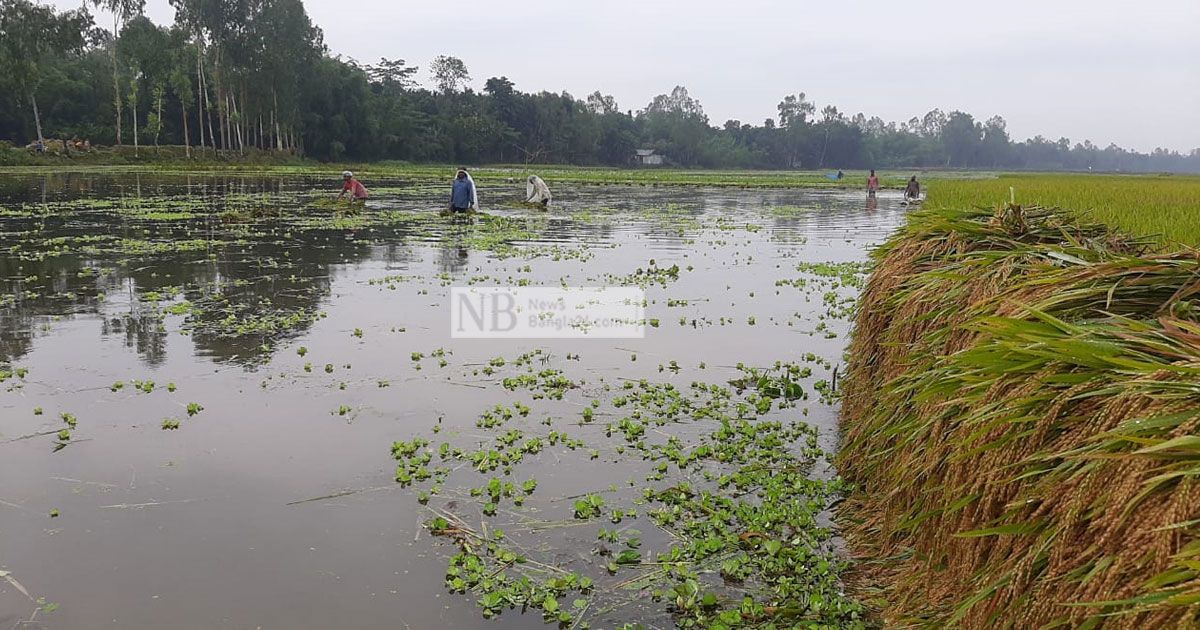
pixel 256 75
pixel 1022 420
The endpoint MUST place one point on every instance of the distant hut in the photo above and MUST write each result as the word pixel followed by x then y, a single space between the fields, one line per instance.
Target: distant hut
pixel 647 157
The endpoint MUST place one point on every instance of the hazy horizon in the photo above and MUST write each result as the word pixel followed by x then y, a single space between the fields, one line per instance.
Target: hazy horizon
pixel 1104 72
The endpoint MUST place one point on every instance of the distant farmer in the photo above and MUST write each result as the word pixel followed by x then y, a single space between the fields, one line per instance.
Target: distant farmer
pixel 463 196
pixel 913 189
pixel 872 184
pixel 536 191
pixel 357 191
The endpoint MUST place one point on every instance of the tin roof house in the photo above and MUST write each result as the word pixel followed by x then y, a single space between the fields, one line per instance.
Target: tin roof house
pixel 648 157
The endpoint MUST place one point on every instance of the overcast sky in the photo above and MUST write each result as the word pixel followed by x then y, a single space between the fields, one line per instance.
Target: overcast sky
pixel 1108 71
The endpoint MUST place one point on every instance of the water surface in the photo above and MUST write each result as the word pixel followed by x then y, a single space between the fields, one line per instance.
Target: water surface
pixel 275 506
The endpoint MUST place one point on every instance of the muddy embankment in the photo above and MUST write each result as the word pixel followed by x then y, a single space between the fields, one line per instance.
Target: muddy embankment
pixel 1021 419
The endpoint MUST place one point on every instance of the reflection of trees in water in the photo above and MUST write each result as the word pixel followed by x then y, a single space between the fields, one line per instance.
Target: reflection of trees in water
pixel 263 280
pixel 33 292
pixel 144 331
pixel 255 268
pixel 563 230
pixel 277 269
pixel 265 272
pixel 396 255
pixel 453 253
pixel 16 333
pixel 59 186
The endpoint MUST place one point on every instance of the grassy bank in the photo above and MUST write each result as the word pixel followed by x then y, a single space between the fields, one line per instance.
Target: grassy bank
pixel 146 156
pixel 173 160
pixel 1022 420
pixel 1166 207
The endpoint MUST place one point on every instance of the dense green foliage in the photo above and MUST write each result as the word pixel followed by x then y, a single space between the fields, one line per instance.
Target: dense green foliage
pixel 240 75
pixel 1164 207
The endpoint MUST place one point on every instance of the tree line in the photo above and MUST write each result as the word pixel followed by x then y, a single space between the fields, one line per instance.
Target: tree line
pixel 231 76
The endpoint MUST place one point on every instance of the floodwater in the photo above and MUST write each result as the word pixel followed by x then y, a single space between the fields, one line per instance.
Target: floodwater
pixel 275 506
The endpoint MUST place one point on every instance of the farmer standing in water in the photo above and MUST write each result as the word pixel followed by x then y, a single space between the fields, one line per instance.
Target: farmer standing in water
pixel 357 191
pixel 463 196
pixel 872 184
pixel 912 192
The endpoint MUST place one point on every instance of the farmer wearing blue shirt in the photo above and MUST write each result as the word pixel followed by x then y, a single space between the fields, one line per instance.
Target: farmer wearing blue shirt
pixel 462 195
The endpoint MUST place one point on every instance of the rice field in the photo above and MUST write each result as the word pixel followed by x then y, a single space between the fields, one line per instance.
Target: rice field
pixel 1021 416
pixel 1165 207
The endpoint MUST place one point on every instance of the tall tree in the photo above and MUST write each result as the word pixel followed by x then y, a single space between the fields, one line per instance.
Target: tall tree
pixel 180 81
pixel 285 46
pixel 995 146
pixel 30 34
pixel 602 104
pixel 144 48
pixel 122 11
pixel 449 73
pixel 677 102
pixel 133 105
pixel 795 110
pixel 393 75
pixel 960 138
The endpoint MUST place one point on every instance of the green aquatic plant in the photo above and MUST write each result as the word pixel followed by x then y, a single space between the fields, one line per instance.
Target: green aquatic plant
pixel 589 506
pixel 740 500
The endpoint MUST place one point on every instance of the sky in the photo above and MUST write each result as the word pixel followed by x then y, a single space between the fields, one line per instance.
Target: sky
pixel 1104 70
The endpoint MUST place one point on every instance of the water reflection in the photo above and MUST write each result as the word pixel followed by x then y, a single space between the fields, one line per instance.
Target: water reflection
pixel 245 262
pixel 188 279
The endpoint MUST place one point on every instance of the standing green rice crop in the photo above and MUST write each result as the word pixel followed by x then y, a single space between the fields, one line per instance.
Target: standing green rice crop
pixel 1166 207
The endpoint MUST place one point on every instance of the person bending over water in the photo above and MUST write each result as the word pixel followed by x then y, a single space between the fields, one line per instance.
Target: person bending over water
pixel 357 191
pixel 462 193
pixel 536 191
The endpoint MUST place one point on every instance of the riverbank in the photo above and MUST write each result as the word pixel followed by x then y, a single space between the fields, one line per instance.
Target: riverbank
pixel 1021 420
pixel 173 159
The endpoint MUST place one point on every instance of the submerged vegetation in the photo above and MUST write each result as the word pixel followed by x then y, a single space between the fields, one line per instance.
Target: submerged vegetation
pixel 1021 415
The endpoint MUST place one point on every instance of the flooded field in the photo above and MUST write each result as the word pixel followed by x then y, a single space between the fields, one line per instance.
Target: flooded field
pixel 230 403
